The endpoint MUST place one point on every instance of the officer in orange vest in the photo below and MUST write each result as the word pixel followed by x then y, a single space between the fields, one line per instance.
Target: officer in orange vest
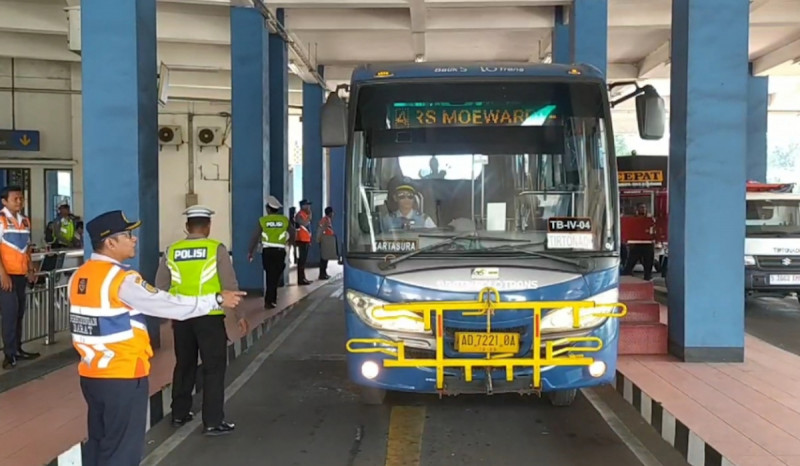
pixel 324 236
pixel 302 239
pixel 16 270
pixel 108 304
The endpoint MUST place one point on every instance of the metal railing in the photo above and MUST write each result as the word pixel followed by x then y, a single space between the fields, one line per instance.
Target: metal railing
pixel 46 306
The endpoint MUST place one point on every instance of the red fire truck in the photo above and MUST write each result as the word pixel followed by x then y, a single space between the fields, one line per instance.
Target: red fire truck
pixel 642 182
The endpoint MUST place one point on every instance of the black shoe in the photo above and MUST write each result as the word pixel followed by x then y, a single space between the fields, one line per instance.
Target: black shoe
pixel 26 355
pixel 324 277
pixel 179 421
pixel 221 429
pixel 303 282
pixel 269 306
pixel 9 362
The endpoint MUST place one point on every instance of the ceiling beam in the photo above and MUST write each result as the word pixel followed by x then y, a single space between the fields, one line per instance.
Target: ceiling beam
pixel 658 58
pixel 771 60
pixel 417 13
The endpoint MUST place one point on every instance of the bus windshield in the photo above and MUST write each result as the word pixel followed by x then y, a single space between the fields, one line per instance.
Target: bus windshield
pixel 511 164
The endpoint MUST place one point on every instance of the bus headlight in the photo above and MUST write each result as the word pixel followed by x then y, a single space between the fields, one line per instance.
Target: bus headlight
pixel 370 310
pixel 560 320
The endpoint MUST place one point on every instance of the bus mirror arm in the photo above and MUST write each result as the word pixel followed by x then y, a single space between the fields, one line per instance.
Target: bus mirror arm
pixel 334 120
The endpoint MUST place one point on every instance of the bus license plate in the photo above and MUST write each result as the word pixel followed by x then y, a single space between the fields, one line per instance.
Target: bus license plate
pixel 482 342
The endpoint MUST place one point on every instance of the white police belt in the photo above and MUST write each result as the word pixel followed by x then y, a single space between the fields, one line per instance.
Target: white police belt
pixel 272 245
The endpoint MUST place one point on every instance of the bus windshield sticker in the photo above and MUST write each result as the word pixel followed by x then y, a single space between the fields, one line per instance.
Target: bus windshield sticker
pixel 396 245
pixel 486 273
pixel 570 233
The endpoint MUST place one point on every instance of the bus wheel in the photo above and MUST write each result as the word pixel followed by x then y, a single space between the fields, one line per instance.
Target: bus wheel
pixel 372 395
pixel 562 397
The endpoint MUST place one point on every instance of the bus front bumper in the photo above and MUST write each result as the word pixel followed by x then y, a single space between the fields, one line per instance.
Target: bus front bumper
pixel 565 363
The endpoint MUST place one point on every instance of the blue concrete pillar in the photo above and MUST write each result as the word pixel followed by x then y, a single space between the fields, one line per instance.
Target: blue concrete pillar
pixel 250 130
pixel 279 121
pixel 708 128
pixel 337 163
pixel 313 162
pixel 588 25
pixel 757 108
pixel 561 34
pixel 120 121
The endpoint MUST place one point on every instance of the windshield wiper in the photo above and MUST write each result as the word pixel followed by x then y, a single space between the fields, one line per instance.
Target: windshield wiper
pixel 451 240
pixel 580 264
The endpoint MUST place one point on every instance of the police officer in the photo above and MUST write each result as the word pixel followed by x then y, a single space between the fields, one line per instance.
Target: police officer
pixel 197 266
pixel 108 304
pixel 303 239
pixel 275 231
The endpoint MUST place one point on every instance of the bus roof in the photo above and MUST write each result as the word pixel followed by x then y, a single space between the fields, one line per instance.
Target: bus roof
pixel 450 70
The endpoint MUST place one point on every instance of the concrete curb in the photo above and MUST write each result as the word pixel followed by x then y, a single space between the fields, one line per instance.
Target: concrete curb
pixel 159 404
pixel 693 448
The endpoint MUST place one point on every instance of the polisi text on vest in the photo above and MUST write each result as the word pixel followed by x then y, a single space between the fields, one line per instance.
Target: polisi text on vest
pixel 190 254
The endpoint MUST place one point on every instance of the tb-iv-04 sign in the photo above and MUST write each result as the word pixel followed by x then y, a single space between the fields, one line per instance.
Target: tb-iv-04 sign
pixel 569 233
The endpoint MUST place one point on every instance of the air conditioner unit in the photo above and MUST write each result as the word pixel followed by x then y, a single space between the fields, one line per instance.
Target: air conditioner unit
pixel 74 29
pixel 170 135
pixel 209 136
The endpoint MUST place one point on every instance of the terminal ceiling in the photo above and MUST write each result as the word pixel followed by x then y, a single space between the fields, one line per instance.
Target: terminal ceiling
pixel 194 36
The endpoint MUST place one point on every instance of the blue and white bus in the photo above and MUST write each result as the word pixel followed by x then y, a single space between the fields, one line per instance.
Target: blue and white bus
pixel 482 233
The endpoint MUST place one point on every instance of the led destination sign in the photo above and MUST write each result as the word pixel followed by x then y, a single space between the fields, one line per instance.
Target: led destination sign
pixel 440 114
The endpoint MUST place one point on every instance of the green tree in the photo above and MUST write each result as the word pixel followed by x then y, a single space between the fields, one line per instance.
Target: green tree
pixel 621 145
pixel 784 157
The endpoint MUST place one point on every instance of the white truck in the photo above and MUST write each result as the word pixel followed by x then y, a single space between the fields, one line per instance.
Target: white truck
pixel 772 240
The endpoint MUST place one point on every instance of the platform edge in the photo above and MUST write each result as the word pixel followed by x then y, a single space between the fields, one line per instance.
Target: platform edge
pixel 687 442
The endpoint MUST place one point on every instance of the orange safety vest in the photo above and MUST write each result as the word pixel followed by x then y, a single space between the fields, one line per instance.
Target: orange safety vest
pixel 327 228
pixel 303 235
pixel 111 337
pixel 14 250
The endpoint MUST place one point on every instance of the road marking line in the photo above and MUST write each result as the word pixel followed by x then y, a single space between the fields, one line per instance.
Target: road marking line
pixel 171 443
pixel 631 441
pixel 406 424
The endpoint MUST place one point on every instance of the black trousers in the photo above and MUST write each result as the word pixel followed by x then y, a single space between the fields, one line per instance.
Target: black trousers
pixel 117 421
pixel 640 252
pixel 323 268
pixel 301 261
pixel 206 334
pixel 12 309
pixel 274 262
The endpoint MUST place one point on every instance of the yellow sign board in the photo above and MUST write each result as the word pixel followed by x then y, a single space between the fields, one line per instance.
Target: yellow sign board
pixel 641 176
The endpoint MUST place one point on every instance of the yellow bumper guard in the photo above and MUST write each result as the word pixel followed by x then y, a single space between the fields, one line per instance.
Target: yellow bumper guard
pixel 425 312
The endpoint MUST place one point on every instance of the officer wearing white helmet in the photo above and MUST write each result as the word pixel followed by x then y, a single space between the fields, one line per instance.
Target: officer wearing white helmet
pixel 276 232
pixel 196 266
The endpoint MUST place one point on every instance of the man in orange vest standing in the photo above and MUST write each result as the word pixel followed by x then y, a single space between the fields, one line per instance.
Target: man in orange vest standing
pixel 108 304
pixel 303 239
pixel 16 270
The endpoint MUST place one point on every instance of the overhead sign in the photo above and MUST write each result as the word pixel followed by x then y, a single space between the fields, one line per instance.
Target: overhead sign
pixel 642 171
pixel 19 140
pixel 436 114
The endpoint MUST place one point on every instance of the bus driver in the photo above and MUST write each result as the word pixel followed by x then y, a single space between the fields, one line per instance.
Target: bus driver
pixel 405 214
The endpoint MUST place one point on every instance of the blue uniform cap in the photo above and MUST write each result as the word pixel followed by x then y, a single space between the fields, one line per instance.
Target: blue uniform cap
pixel 109 223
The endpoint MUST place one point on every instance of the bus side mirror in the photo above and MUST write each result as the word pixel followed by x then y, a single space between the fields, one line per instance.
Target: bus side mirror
pixel 650 114
pixel 334 121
